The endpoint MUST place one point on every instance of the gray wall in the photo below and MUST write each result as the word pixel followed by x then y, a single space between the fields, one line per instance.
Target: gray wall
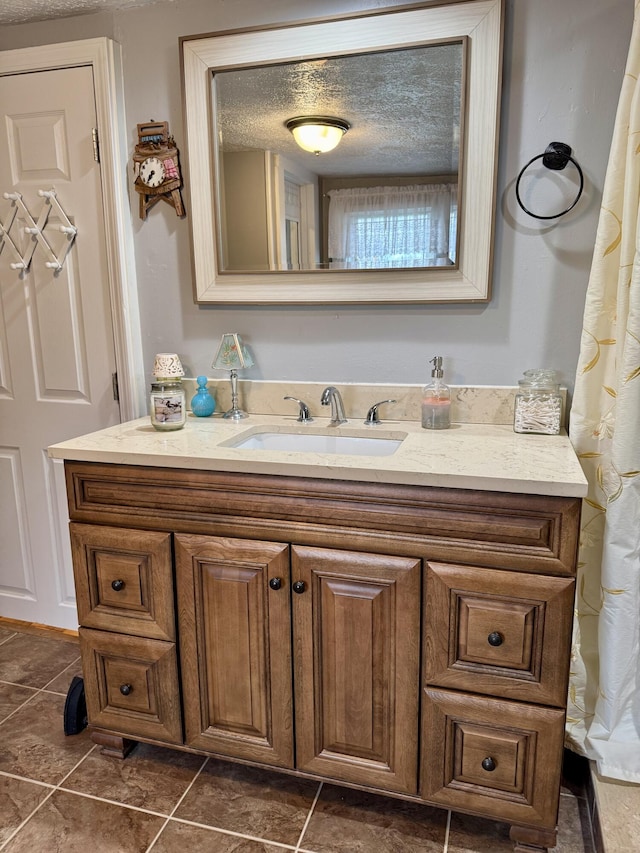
pixel 563 68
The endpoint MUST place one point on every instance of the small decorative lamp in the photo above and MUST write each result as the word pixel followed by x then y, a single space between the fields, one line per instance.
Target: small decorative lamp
pixel 232 355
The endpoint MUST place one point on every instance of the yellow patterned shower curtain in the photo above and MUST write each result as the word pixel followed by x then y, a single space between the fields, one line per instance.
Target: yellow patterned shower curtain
pixel 604 699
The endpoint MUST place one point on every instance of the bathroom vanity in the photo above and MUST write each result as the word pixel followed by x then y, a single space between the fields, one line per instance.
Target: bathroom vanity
pixel 400 624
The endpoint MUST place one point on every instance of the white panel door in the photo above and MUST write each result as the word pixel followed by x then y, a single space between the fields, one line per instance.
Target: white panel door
pixel 57 352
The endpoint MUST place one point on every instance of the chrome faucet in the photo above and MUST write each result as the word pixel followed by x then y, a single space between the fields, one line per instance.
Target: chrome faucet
pixel 304 416
pixel 373 418
pixel 331 396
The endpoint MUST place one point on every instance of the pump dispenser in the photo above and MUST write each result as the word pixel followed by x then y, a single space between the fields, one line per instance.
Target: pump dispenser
pixel 436 399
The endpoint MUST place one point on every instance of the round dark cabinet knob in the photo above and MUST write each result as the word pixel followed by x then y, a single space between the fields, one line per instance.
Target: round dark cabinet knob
pixel 299 587
pixel 488 764
pixel 275 583
pixel 125 689
pixel 495 639
pixel 117 585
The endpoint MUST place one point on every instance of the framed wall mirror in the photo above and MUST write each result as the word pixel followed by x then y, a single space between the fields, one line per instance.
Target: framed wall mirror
pixel 397 207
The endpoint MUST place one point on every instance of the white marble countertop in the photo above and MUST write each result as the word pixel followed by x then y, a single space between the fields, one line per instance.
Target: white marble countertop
pixel 489 457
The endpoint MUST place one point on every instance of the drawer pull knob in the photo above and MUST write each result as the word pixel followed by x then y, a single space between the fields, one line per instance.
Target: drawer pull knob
pixel 488 764
pixel 275 583
pixel 125 689
pixel 117 585
pixel 299 587
pixel 495 639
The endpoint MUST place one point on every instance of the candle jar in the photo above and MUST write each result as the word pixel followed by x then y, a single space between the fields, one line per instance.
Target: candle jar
pixel 168 407
pixel 538 403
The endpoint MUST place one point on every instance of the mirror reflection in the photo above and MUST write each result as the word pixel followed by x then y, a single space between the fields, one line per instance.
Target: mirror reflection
pixel 386 196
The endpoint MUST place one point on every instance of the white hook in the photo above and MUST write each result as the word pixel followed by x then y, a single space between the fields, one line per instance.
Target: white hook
pixel 68 229
pixel 47 193
pixel 18 266
pixel 53 265
pixel 12 196
pixel 29 230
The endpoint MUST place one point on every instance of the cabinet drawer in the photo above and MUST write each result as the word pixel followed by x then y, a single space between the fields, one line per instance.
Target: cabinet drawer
pixel 131 685
pixel 124 580
pixel 500 758
pixel 499 633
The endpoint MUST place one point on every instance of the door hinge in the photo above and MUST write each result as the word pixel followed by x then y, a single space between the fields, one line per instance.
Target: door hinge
pixel 114 385
pixel 96 144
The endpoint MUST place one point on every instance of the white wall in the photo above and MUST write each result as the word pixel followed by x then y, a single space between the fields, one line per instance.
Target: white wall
pixel 563 70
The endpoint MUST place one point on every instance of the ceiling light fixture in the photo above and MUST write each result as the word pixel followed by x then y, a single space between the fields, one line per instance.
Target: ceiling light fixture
pixel 317 134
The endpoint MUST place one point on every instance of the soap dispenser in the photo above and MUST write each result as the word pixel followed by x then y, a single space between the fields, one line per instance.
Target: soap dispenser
pixel 436 399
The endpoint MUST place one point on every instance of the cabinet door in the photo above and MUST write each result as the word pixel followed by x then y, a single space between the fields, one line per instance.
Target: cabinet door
pixel 234 616
pixel 356 626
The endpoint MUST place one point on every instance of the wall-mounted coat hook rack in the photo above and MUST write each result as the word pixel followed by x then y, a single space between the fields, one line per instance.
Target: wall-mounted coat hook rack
pixel 36 230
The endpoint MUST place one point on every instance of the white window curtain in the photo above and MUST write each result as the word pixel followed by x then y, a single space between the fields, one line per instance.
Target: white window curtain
pixel 604 699
pixel 411 226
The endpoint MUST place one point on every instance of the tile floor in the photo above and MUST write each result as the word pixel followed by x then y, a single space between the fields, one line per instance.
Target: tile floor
pixel 59 793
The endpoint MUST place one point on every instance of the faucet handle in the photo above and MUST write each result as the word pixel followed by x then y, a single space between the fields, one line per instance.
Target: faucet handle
pixel 303 416
pixel 373 418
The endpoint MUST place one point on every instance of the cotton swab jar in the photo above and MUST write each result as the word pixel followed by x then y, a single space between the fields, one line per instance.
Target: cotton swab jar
pixel 538 403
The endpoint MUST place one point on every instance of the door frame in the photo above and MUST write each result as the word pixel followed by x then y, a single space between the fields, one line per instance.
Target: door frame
pixel 105 58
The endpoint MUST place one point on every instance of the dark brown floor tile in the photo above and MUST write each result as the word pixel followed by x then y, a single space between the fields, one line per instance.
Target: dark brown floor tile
pixel 468 834
pixel 68 823
pixel 250 801
pixel 150 778
pixel 33 743
pixel 17 800
pixel 5 633
pixel 61 683
pixel 365 823
pixel 574 828
pixel 34 661
pixel 181 836
pixel 12 696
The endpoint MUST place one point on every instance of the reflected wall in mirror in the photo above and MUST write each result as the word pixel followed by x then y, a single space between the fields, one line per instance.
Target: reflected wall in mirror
pixel 418 91
pixel 385 196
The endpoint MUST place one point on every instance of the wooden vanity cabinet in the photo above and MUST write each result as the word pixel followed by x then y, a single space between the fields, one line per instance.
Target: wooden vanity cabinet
pixel 402 639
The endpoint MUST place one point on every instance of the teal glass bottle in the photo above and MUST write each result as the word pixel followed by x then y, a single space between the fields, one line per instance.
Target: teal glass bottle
pixel 202 403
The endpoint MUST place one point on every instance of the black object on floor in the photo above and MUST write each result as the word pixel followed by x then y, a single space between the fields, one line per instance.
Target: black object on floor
pixel 75 707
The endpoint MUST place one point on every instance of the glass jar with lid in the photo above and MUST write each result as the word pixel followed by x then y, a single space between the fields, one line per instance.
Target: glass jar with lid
pixel 168 405
pixel 538 403
pixel 167 400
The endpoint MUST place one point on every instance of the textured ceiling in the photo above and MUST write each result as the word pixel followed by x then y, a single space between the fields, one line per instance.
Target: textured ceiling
pixel 403 108
pixel 28 11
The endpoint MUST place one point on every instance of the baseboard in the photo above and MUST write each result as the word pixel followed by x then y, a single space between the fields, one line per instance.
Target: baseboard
pixel 41 630
pixel 594 812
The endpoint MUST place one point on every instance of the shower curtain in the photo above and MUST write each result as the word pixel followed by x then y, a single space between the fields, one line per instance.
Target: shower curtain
pixel 604 697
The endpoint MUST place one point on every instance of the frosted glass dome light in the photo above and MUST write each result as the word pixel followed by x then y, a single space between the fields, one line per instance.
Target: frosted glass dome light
pixel 317 134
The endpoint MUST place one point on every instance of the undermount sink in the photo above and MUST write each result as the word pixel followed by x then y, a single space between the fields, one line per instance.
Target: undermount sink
pixel 347 445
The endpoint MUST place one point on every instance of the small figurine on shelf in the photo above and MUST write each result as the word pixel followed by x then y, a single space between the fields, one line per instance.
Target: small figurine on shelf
pixel 202 403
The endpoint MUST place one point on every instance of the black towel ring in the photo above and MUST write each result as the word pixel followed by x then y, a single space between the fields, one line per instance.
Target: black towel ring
pixel 556 156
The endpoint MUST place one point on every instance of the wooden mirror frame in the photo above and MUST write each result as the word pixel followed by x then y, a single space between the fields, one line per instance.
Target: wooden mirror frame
pixel 481 22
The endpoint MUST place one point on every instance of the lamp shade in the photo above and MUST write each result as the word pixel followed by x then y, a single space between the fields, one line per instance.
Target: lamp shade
pixel 167 365
pixel 317 134
pixel 232 354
